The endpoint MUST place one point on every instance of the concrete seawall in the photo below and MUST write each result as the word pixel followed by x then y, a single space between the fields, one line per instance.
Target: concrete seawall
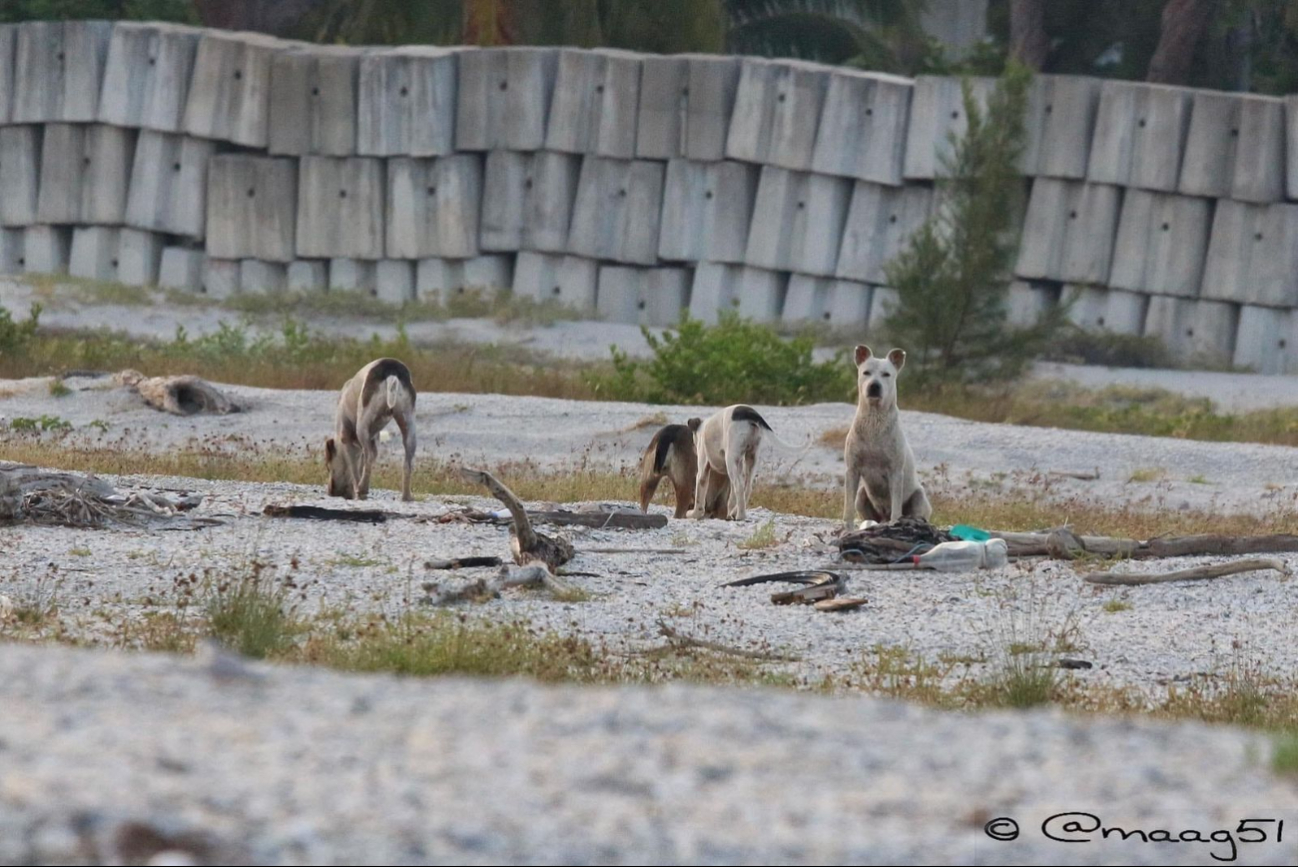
pixel 632 186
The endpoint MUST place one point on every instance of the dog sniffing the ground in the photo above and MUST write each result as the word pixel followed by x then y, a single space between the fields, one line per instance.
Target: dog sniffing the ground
pixel 379 393
pixel 726 448
pixel 671 455
pixel 882 484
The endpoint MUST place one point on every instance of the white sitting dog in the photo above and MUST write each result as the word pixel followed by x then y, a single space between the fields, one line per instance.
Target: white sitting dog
pixel 726 446
pixel 882 484
pixel 379 393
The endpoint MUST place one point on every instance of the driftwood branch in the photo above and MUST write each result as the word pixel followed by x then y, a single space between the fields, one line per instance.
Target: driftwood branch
pixel 463 563
pixel 320 513
pixel 1199 573
pixel 1064 544
pixel 526 544
pixel 682 640
pixel 178 395
pixel 1085 476
pixel 533 575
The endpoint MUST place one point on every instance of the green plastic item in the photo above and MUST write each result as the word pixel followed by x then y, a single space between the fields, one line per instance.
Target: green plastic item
pixel 970 534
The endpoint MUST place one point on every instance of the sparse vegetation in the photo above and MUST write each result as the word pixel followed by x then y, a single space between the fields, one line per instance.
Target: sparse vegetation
pixel 1113 606
pixel 58 388
pixel 763 537
pixel 1147 474
pixel 44 424
pixel 250 612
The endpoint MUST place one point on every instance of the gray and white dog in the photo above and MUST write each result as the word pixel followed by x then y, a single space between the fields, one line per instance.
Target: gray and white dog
pixel 882 484
pixel 379 393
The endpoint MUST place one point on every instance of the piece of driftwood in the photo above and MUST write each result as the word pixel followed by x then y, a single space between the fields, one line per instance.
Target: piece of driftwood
pixel 1198 573
pixel 803 576
pixel 841 603
pixel 178 395
pixel 463 563
pixel 1063 544
pixel 322 513
pixel 623 520
pixel 1074 664
pixel 532 575
pixel 33 496
pixel 809 594
pixel 1084 476
pixel 636 550
pixel 526 544
pixel 681 640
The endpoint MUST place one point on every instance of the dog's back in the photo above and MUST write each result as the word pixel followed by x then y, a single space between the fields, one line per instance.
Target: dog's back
pixel 390 373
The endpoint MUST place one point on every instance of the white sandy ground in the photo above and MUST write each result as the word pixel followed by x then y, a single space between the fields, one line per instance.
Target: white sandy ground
pixel 300 766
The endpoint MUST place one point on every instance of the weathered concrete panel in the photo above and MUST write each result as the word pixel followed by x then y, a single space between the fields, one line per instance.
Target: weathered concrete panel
pixel 938 112
pixel 883 303
pixel 1194 331
pixel 880 222
pixel 313 101
pixel 1235 147
pixel 46 249
pixel 220 278
pixel 527 201
pixel 504 98
pixel 712 81
pixel 11 251
pixel 1266 340
pixel 751 293
pixel 257 277
pixel 58 70
pixel 664 90
pixel 85 173
pixel 20 163
pixel 407 102
pixel 394 281
pixel 1097 309
pixel 568 280
pixel 94 253
pixel 843 305
pixel 147 74
pixel 1059 123
pixel 777 110
pixel 353 275
pixel 182 268
pixel 1028 302
pixel 798 222
pixel 1140 134
pixel 436 280
pixel 139 257
pixel 706 212
pixel 340 208
pixel 1259 170
pixel 229 95
pixel 433 207
pixel 644 296
pixel 308 276
pixel 251 207
pixel 8 74
pixel 1162 244
pixel 1253 254
pixel 616 213
pixel 168 190
pixel 863 127
pixel 1069 231
pixel 596 103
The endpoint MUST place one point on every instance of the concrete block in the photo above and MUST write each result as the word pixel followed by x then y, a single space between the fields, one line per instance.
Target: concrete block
pixel 1291 143
pixel 1027 302
pixel 798 221
pixel 1140 134
pixel 436 280
pixel 527 201
pixel 146 75
pixel 706 210
pixel 1162 243
pixel 616 213
pixel 1069 231
pixel 568 280
pixel 251 207
pixel 139 256
pixel 20 162
pixel 937 112
pixel 664 90
pixel 880 222
pixel 394 281
pixel 863 127
pixel 11 251
pixel 58 70
pixel 504 98
pixel 1098 309
pixel 1253 254
pixel 1266 339
pixel 644 296
pixel 258 277
pixel 1194 331
pixel 353 275
pixel 596 102
pixel 777 109
pixel 883 302
pixel 168 190
pixel 839 304
pixel 85 171
pixel 229 94
pixel 307 276
pixel 1060 121
pixel 313 102
pixel 1235 147
pixel 8 74
pixel 712 81
pixel 751 293
pixel 182 268
pixel 433 206
pixel 407 102
pixel 488 273
pixel 94 253
pixel 340 208
pixel 220 278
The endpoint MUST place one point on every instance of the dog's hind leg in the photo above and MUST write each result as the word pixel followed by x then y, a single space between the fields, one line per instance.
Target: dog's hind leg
pixel 738 488
pixel 408 441
pixel 702 489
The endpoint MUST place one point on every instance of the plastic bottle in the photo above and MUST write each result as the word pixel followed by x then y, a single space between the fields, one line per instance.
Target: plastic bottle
pixel 965 556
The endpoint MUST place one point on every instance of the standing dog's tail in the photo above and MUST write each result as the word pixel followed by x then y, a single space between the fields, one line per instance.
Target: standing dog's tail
pixel 747 413
pixel 394 391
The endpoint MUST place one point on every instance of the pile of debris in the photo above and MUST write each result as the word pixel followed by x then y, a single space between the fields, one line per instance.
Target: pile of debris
pixel 33 496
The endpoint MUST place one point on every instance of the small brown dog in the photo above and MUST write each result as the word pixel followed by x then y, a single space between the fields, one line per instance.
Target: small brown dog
pixel 671 454
pixel 379 393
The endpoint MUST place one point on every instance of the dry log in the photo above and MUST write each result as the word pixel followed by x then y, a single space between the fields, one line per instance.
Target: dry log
pixel 1199 573
pixel 596 520
pixel 533 575
pixel 1068 474
pixel 841 603
pixel 805 576
pixel 1061 542
pixel 178 395
pixel 808 595
pixel 527 545
pixel 321 513
pixel 463 563
pixel 682 640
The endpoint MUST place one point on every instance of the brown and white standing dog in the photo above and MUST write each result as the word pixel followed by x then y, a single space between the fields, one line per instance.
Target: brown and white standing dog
pixel 379 393
pixel 726 447
pixel 671 455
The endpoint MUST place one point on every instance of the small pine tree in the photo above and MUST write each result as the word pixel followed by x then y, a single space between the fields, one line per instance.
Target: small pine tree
pixel 953 276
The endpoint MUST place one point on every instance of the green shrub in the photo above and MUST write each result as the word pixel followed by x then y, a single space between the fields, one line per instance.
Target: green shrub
pixel 14 336
pixel 734 361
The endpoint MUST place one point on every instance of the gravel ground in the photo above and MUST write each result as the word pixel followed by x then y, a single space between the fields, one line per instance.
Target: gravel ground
pixel 268 765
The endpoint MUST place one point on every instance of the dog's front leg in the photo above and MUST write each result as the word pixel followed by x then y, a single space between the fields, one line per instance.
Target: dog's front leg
pixel 702 492
pixel 738 503
pixel 897 495
pixel 851 487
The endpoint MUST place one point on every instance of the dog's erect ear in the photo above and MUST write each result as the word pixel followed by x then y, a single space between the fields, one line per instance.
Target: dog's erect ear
pixel 898 358
pixel 862 354
pixel 694 424
pixel 331 450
